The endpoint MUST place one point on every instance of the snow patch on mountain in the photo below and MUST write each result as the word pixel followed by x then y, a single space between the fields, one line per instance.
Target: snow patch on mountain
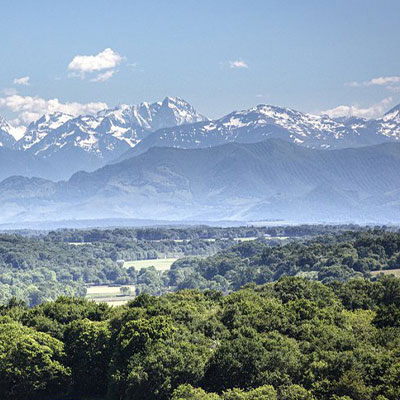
pixel 38 130
pixel 8 134
pixel 389 124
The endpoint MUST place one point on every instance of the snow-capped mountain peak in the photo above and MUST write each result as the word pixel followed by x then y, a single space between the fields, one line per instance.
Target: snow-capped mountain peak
pixel 105 135
pixel 174 111
pixel 8 133
pixel 54 120
pixel 274 120
pixel 389 124
pixel 392 114
pixel 39 129
pixel 267 121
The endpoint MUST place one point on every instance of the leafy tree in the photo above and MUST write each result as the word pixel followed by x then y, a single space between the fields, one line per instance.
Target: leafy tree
pixel 30 364
pixel 88 354
pixel 188 392
pixel 295 392
pixel 125 290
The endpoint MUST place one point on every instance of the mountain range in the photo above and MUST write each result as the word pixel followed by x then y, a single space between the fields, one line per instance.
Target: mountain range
pixel 58 145
pixel 273 179
pixel 166 161
pixel 88 142
pixel 265 121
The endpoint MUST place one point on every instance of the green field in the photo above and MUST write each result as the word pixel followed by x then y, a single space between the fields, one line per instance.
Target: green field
pixel 109 294
pixel 395 272
pixel 160 264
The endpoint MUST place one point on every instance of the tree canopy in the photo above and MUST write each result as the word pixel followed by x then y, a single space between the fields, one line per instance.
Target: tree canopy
pixel 294 339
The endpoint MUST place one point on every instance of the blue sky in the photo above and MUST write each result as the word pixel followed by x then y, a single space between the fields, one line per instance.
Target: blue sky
pixel 311 55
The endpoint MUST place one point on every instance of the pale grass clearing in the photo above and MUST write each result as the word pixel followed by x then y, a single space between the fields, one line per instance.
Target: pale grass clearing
pixel 160 264
pixel 109 294
pixel 116 303
pixel 245 239
pixel 395 272
pixel 105 290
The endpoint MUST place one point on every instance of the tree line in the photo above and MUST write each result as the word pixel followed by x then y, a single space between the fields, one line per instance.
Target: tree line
pixel 194 232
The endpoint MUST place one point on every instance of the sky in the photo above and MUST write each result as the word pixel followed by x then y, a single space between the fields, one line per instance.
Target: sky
pixel 340 57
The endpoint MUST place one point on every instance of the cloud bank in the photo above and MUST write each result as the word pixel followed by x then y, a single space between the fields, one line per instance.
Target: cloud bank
pixel 374 111
pixel 29 108
pixel 388 81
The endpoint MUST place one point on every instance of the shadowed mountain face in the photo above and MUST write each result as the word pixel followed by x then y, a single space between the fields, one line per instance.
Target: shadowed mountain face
pixel 270 179
pixel 14 162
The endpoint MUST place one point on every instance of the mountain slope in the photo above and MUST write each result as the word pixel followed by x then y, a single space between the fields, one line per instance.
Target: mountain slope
pixel 264 121
pixel 272 179
pixel 6 137
pixel 14 162
pixel 88 142
pixel 38 130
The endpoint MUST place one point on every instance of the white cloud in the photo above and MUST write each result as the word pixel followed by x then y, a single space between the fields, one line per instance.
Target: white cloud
pixel 238 64
pixel 384 80
pixel 380 81
pixel 29 108
pixel 376 110
pixel 22 81
pixel 108 59
pixel 103 76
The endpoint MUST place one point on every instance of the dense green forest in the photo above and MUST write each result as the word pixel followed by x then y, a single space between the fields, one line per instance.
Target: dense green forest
pixel 41 267
pixel 294 339
pixel 325 258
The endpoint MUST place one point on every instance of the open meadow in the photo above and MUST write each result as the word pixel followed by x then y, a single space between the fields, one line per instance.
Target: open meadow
pixel 160 264
pixel 394 272
pixel 111 295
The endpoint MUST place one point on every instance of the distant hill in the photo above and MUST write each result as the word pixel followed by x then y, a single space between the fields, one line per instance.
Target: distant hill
pixel 273 179
pixel 13 162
